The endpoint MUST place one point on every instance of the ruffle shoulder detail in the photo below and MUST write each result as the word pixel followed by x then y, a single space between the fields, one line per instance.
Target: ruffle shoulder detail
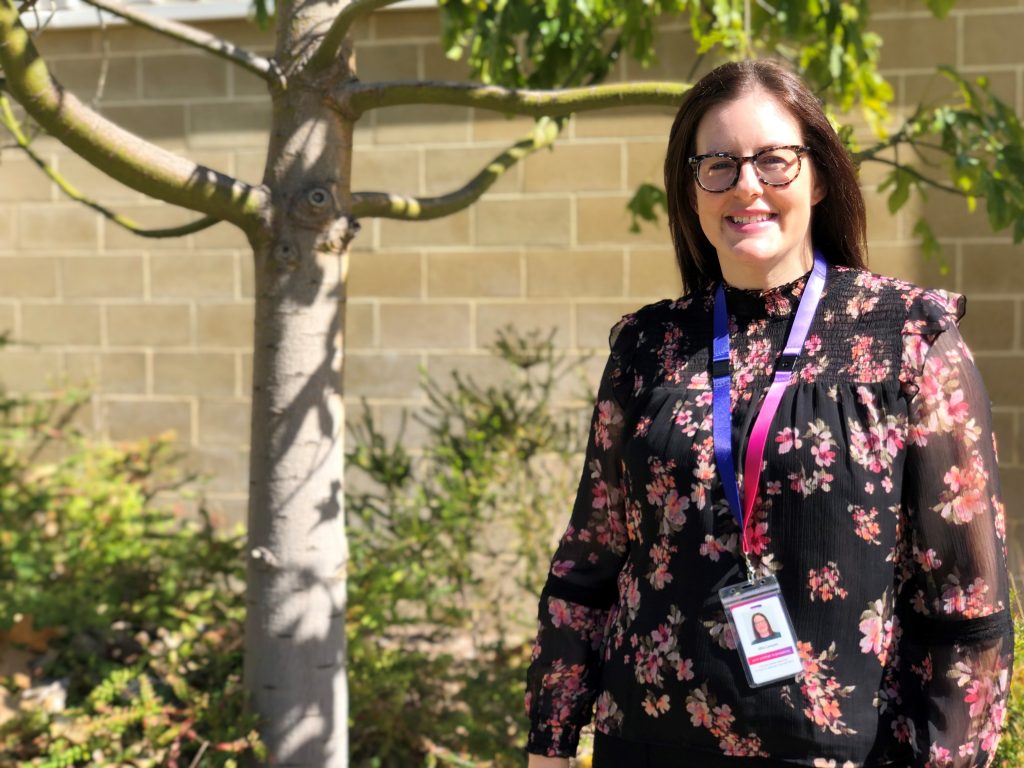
pixel 930 313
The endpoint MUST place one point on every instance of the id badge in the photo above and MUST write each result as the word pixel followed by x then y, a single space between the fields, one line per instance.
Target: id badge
pixel 763 630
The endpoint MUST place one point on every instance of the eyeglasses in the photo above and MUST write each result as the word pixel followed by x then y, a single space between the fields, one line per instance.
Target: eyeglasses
pixel 775 166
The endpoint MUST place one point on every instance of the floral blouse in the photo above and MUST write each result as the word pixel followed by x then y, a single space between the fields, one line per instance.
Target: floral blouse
pixel 878 512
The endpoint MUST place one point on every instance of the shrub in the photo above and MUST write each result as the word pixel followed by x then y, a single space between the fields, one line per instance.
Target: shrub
pixel 138 652
pixel 448 553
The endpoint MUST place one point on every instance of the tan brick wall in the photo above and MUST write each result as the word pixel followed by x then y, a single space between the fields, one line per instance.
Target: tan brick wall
pixel 161 329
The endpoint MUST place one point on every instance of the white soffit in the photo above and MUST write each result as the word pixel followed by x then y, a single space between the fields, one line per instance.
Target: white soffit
pixel 74 14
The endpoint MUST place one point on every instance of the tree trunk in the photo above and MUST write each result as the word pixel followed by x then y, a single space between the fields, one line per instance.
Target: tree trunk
pixel 295 627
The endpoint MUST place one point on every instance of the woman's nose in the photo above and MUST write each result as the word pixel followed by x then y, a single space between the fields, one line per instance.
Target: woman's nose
pixel 748 183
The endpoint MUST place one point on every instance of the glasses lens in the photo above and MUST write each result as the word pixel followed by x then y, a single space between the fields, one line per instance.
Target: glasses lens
pixel 716 174
pixel 778 166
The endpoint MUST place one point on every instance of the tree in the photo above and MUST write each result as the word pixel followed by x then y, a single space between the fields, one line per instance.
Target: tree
pixel 543 58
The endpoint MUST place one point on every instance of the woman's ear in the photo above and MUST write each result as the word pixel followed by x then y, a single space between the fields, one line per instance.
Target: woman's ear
pixel 819 190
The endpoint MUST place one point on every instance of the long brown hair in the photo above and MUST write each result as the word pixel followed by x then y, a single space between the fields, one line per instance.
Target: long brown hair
pixel 838 223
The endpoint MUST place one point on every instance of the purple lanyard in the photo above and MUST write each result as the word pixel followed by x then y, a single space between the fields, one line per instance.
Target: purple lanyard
pixel 722 397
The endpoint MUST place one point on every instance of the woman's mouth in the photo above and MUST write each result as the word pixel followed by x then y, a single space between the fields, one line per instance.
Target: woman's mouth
pixel 755 218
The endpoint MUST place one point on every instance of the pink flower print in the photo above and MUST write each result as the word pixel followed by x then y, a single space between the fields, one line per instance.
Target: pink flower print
pixel 969 603
pixel 980 695
pixel 697 706
pixel 966 494
pixel 903 729
pixel 777 305
pixel 713 548
pixel 929 560
pixel 719 720
pixel 824 583
pixel 699 381
pixel 821 690
pixel 925 671
pixel 607 715
pixel 560 614
pixel 877 630
pixel 812 345
pixel 655 707
pixel 788 439
pixel 560 568
pixel 684 420
pixel 684 670
pixel 661 556
pixel 939 757
pixel 608 416
pixel 860 304
pixel 642 427
pixel 823 448
pixel 866 523
pixel 758 537
pixel 721 633
pixel 864 365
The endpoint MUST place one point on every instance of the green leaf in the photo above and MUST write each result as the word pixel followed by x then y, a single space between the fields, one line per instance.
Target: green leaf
pixel 940 8
pixel 644 205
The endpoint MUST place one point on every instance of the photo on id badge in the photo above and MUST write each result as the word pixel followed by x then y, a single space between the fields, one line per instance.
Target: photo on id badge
pixel 766 640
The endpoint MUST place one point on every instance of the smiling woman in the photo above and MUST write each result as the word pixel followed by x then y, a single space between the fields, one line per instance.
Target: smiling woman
pixel 867 513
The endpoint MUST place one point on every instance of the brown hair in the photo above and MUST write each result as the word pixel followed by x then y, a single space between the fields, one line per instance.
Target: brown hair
pixel 838 223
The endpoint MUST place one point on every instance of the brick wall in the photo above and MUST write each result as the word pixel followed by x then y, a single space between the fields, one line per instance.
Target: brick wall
pixel 162 329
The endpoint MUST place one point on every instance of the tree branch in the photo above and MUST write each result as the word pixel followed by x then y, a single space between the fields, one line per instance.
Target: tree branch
pixel 328 49
pixel 265 68
pixel 11 123
pixel 921 177
pixel 354 98
pixel 134 162
pixel 389 206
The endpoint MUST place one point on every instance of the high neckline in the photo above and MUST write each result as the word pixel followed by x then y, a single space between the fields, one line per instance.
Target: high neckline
pixel 780 301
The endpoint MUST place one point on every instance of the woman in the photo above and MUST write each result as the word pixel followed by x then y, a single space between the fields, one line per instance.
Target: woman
pixel 876 509
pixel 762 628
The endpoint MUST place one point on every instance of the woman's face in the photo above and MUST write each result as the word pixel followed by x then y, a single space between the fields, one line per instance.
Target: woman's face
pixel 761 626
pixel 761 233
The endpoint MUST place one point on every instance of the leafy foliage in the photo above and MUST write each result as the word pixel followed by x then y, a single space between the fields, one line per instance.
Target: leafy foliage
pixel 447 552
pixel 562 43
pixel 138 655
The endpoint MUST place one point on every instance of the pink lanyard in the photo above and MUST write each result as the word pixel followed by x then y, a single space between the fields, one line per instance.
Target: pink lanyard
pixel 722 398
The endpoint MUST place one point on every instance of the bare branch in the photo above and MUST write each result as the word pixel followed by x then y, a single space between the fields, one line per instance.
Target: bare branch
pixel 390 206
pixel 134 162
pixel 11 124
pixel 327 52
pixel 354 98
pixel 263 67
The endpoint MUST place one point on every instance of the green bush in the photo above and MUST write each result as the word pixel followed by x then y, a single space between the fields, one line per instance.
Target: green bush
pixel 446 550
pixel 135 615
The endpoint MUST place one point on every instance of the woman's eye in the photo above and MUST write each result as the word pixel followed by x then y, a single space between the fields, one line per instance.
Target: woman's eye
pixel 772 161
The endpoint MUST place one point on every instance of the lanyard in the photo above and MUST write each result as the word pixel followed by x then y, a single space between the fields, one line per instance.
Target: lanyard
pixel 722 397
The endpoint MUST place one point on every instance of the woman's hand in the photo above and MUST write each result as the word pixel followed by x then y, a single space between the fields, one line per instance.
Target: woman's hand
pixel 539 761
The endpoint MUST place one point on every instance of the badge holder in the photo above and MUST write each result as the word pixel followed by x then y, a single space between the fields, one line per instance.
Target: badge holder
pixel 763 630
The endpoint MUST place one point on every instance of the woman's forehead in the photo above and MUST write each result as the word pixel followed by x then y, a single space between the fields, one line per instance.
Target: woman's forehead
pixel 752 121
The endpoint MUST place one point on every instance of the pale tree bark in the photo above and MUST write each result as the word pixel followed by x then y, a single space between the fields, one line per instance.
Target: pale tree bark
pixel 295 625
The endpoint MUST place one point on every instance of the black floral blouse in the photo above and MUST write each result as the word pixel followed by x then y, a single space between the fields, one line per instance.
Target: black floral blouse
pixel 878 512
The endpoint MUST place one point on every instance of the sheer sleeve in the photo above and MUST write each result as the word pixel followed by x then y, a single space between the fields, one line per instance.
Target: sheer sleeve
pixel 581 584
pixel 957 637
